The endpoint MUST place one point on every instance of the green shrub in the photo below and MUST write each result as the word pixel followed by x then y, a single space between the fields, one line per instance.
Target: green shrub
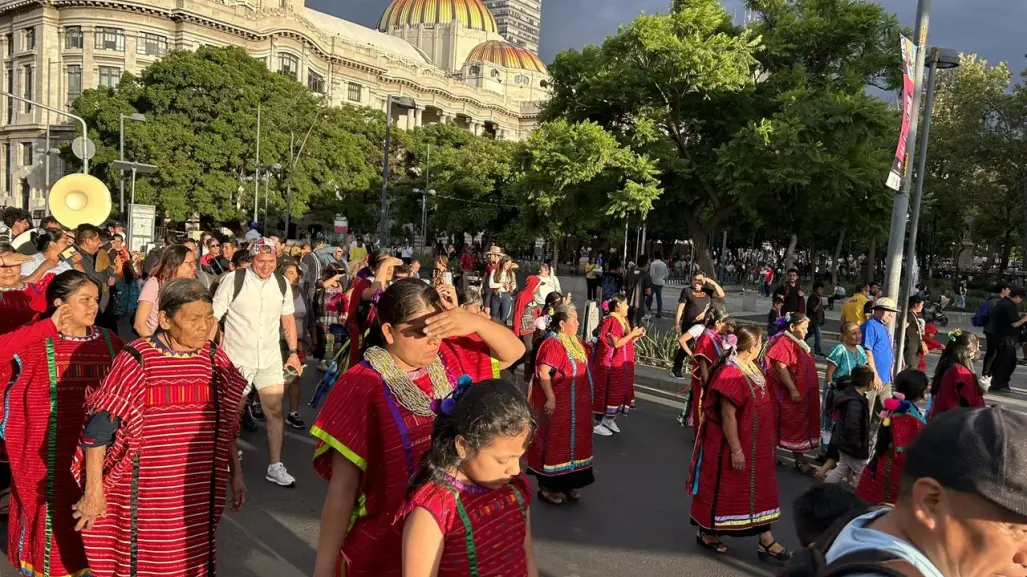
pixel 657 348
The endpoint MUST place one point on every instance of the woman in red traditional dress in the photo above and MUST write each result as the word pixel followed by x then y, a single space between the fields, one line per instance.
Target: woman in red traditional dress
pixel 709 347
pixel 43 412
pixel 900 425
pixel 158 449
pixel 794 380
pixel 955 384
pixel 467 511
pixel 20 302
pixel 731 478
pixel 368 284
pixel 615 367
pixel 376 422
pixel 561 452
pixel 525 313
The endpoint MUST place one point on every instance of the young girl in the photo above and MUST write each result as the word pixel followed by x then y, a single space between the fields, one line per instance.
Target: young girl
pixel 614 392
pixel 774 315
pixel 709 346
pixel 901 422
pixel 955 384
pixel 467 508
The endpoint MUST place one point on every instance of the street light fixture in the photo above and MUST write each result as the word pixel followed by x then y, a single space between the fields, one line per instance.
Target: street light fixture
pixel 406 103
pixel 424 215
pixel 940 59
pixel 135 116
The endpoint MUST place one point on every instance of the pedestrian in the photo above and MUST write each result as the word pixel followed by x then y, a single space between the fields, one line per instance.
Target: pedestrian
pixel 256 305
pixel 591 278
pixel 903 421
pixel 470 488
pixel 560 455
pixel 502 283
pixel 549 283
pixel 330 311
pixel 97 264
pixel 54 362
pixel 792 374
pixel 368 283
pixel 768 279
pixel 818 508
pixel 839 294
pixel 955 384
pixel 961 293
pixel 49 259
pixel 306 336
pixel 693 301
pixel 153 499
pixel 376 423
pixel 658 273
pixel 525 313
pixel 1006 321
pixel 777 306
pixel 877 342
pixel 709 347
pixel 984 320
pixel 175 262
pixel 962 500
pixel 817 316
pixel 732 482
pixel 852 310
pixel 793 294
pixel 841 361
pixel 915 328
pixel 614 383
pixel 851 436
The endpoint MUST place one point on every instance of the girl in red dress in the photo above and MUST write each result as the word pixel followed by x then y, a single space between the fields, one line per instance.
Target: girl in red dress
pixel 709 347
pixel 793 378
pixel 955 384
pixel 467 510
pixel 369 283
pixel 561 452
pixel 731 478
pixel 901 422
pixel 376 422
pixel 615 367
pixel 43 412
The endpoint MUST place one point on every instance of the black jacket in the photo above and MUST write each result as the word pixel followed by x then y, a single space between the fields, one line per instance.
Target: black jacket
pixel 852 425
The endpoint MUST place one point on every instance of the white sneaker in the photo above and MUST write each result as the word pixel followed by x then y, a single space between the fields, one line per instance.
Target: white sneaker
pixel 277 474
pixel 610 424
pixel 322 366
pixel 985 383
pixel 601 431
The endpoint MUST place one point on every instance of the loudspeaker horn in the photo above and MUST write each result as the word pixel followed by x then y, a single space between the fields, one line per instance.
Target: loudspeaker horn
pixel 80 199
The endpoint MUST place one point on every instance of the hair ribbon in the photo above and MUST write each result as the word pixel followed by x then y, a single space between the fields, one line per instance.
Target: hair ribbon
pixel 446 405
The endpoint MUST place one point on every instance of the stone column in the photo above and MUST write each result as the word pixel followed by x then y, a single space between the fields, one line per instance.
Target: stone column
pixel 411 120
pixel 418 116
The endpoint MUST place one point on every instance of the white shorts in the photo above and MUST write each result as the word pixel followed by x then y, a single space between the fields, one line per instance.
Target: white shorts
pixel 260 379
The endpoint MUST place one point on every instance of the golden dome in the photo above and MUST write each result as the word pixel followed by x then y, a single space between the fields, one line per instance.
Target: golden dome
pixel 471 13
pixel 506 55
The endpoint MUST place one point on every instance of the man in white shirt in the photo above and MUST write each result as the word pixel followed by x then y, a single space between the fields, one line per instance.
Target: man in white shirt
pixel 406 253
pixel 658 273
pixel 253 319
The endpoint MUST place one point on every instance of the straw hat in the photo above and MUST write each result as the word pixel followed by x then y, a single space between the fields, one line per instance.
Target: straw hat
pixel 886 303
pixel 498 251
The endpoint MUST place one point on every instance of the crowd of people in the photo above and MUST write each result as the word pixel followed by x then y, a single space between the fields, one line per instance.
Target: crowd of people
pixel 122 456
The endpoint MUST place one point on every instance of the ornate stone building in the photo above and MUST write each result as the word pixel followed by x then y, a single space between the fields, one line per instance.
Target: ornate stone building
pixel 445 54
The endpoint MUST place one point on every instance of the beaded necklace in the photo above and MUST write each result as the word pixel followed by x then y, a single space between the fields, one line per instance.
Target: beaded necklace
pixel 750 370
pixel 403 388
pixel 623 323
pixel 573 346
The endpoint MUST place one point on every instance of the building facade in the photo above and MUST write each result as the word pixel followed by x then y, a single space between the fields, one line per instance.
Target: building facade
pixel 445 54
pixel 518 21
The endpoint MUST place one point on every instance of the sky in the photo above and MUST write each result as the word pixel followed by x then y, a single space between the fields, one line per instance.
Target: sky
pixel 988 28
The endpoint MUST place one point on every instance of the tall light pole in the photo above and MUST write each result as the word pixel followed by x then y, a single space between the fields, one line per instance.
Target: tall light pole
pixel 941 59
pixel 424 215
pixel 897 234
pixel 121 154
pixel 256 173
pixel 81 121
pixel 404 102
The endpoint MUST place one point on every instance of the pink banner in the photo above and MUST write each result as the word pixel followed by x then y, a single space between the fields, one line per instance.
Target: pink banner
pixel 901 163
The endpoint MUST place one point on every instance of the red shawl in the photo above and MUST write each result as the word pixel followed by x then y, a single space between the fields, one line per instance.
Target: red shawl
pixel 524 299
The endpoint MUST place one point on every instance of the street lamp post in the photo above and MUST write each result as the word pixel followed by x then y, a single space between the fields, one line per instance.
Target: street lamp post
pixel 121 154
pixel 900 206
pixel 404 102
pixel 79 119
pixel 941 59
pixel 424 215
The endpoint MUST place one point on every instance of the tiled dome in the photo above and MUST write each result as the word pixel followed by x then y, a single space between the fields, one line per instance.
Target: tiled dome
pixel 471 13
pixel 506 55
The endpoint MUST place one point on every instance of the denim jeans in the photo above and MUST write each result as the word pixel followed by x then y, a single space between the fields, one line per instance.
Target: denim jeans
pixel 814 331
pixel 658 293
pixel 501 307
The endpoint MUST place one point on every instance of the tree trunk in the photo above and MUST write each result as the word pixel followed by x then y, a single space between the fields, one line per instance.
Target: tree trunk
pixel 1007 250
pixel 837 257
pixel 872 260
pixel 556 255
pixel 790 252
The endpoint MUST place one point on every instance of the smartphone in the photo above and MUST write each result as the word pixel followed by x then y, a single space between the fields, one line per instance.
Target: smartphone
pixel 68 253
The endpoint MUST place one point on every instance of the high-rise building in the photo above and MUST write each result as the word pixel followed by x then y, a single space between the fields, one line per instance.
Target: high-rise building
pixel 518 21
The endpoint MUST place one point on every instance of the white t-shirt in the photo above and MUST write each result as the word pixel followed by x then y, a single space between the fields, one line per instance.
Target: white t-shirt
pixel 407 252
pixel 695 330
pixel 253 320
pixel 658 272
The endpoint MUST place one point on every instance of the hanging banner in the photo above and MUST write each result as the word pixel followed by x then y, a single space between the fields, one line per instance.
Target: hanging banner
pixel 901 162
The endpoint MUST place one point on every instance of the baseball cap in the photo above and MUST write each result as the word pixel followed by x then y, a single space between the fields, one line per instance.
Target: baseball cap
pixel 262 245
pixel 982 451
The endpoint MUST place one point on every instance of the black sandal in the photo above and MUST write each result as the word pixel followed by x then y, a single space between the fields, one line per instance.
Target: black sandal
pixel 551 498
pixel 717 546
pixel 572 495
pixel 765 555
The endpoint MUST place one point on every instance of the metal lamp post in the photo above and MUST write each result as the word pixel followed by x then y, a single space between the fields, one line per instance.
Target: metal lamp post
pixel 269 171
pixel 407 103
pixel 424 215
pixel 121 151
pixel 940 59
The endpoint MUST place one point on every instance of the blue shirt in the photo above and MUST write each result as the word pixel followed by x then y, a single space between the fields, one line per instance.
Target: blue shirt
pixel 856 537
pixel 877 340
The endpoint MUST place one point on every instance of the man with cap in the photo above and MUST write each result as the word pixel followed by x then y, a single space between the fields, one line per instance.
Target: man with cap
pixel 962 504
pixel 253 234
pixel 877 341
pixel 915 328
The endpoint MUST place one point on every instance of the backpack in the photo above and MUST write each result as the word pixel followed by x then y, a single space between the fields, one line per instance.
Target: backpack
pixel 811 561
pixel 240 279
pixel 980 317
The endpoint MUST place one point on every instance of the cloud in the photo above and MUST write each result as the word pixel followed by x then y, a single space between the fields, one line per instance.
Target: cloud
pixel 989 28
